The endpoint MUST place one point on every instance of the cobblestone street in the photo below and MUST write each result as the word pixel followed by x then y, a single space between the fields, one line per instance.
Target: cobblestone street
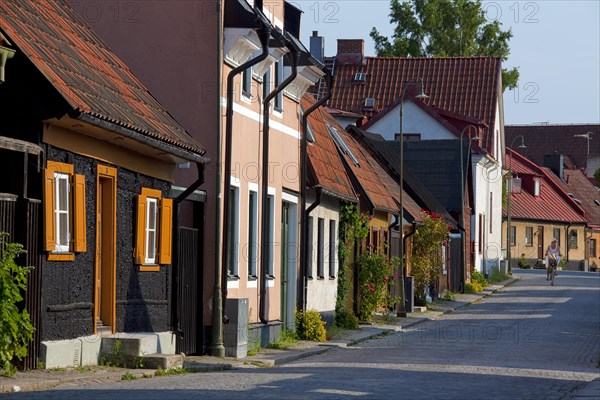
pixel 527 341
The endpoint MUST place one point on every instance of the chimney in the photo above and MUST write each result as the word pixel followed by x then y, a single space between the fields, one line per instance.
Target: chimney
pixel 350 51
pixel 317 46
pixel 555 163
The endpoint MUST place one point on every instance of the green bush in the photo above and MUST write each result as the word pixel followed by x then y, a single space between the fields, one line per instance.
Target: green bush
pixel 523 264
pixel 286 339
pixel 309 326
pixel 478 277
pixel 497 276
pixel 346 319
pixel 473 287
pixel 16 329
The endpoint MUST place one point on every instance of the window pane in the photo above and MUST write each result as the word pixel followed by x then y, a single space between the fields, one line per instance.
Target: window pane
pixel 152 215
pixel 63 230
pixel 252 239
pixel 63 193
pixel 151 245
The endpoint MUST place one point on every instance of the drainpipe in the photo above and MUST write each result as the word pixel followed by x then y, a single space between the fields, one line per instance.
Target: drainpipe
pixel 304 246
pixel 264 34
pixel 567 240
pixel 216 347
pixel 303 178
pixel 294 58
pixel 175 319
pixel 5 54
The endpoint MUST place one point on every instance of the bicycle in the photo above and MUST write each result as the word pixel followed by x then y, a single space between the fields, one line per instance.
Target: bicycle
pixel 552 272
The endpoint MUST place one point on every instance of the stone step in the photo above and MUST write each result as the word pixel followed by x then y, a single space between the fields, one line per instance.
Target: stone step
pixel 162 361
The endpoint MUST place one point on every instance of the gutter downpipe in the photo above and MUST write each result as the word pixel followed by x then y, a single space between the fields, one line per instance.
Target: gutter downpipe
pixel 264 34
pixel 294 58
pixel 175 320
pixel 304 212
pixel 216 347
pixel 409 234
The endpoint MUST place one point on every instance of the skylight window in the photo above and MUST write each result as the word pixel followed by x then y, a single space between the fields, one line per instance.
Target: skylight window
pixel 369 102
pixel 360 76
pixel 310 135
pixel 342 144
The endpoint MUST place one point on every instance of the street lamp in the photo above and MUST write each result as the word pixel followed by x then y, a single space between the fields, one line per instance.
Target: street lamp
pixel 463 178
pixel 401 312
pixel 508 196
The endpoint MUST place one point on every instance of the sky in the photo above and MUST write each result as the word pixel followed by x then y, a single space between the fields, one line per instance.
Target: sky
pixel 555 45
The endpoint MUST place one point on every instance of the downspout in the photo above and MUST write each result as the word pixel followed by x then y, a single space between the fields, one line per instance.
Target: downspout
pixel 303 179
pixel 216 347
pixel 175 320
pixel 294 58
pixel 264 34
pixel 567 244
pixel 5 54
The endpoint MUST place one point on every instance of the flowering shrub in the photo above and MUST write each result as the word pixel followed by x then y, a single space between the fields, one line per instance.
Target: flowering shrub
pixel 377 274
pixel 426 252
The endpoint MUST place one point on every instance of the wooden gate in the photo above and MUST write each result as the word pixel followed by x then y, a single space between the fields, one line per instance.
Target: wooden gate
pixel 189 311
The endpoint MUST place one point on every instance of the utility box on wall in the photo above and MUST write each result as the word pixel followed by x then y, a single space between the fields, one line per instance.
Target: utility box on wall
pixel 236 330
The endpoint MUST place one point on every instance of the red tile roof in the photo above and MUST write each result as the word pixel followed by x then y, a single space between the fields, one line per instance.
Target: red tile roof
pixel 576 183
pixel 555 139
pixel 553 204
pixel 382 191
pixel 325 165
pixel 469 86
pixel 85 72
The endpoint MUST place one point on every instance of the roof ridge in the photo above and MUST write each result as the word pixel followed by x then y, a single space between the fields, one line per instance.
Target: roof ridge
pixel 557 124
pixel 431 57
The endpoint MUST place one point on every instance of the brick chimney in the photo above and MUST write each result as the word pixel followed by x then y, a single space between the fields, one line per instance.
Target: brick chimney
pixel 350 51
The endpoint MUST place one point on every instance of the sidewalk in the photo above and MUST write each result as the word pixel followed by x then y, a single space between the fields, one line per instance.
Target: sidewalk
pixel 47 379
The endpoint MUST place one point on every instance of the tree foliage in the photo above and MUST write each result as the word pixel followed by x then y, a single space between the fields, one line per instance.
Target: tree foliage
pixel 597 177
pixel 445 28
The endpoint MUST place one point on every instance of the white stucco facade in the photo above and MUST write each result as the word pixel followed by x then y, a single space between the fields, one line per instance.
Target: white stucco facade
pixel 414 120
pixel 322 287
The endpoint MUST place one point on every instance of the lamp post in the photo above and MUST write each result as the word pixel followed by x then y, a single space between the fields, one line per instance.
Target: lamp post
pixel 463 178
pixel 401 312
pixel 508 196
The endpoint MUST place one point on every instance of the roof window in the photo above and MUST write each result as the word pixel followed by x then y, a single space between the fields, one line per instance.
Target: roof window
pixel 369 102
pixel 342 144
pixel 360 76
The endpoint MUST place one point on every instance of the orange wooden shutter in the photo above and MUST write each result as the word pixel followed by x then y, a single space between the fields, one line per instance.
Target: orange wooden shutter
pixel 79 223
pixel 166 231
pixel 140 231
pixel 49 217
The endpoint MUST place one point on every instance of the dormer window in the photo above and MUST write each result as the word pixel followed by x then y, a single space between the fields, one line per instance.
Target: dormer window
pixel 360 77
pixel 369 102
pixel 536 188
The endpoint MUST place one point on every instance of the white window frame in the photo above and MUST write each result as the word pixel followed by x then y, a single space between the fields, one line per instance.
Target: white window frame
pixel 332 248
pixel 235 202
pixel 149 229
pixel 271 211
pixel 253 264
pixel 58 177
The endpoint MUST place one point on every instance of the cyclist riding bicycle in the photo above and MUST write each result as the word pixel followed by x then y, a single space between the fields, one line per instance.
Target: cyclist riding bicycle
pixel 552 258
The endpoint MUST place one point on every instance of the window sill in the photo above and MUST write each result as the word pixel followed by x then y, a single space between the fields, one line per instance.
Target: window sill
pixel 149 268
pixel 252 277
pixel 309 277
pixel 331 278
pixel 320 278
pixel 61 257
pixel 270 277
pixel 233 277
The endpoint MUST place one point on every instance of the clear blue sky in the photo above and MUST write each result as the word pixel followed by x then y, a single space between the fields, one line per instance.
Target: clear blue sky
pixel 555 44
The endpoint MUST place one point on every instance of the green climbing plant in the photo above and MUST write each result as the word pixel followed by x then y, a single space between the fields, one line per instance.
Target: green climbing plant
pixel 426 252
pixel 354 227
pixel 16 329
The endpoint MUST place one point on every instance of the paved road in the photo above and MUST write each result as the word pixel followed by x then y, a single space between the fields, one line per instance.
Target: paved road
pixel 527 341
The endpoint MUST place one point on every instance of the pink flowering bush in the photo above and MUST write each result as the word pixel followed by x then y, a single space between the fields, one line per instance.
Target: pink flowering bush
pixel 377 275
pixel 426 257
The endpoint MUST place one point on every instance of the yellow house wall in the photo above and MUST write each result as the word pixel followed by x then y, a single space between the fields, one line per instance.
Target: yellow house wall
pixel 573 255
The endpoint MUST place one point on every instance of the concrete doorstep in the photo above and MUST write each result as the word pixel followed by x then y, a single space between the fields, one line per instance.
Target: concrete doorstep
pixel 47 379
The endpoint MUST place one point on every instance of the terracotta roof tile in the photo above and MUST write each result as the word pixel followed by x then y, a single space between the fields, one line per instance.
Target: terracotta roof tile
pixel 469 86
pixel 560 139
pixel 576 183
pixel 553 203
pixel 326 166
pixel 85 72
